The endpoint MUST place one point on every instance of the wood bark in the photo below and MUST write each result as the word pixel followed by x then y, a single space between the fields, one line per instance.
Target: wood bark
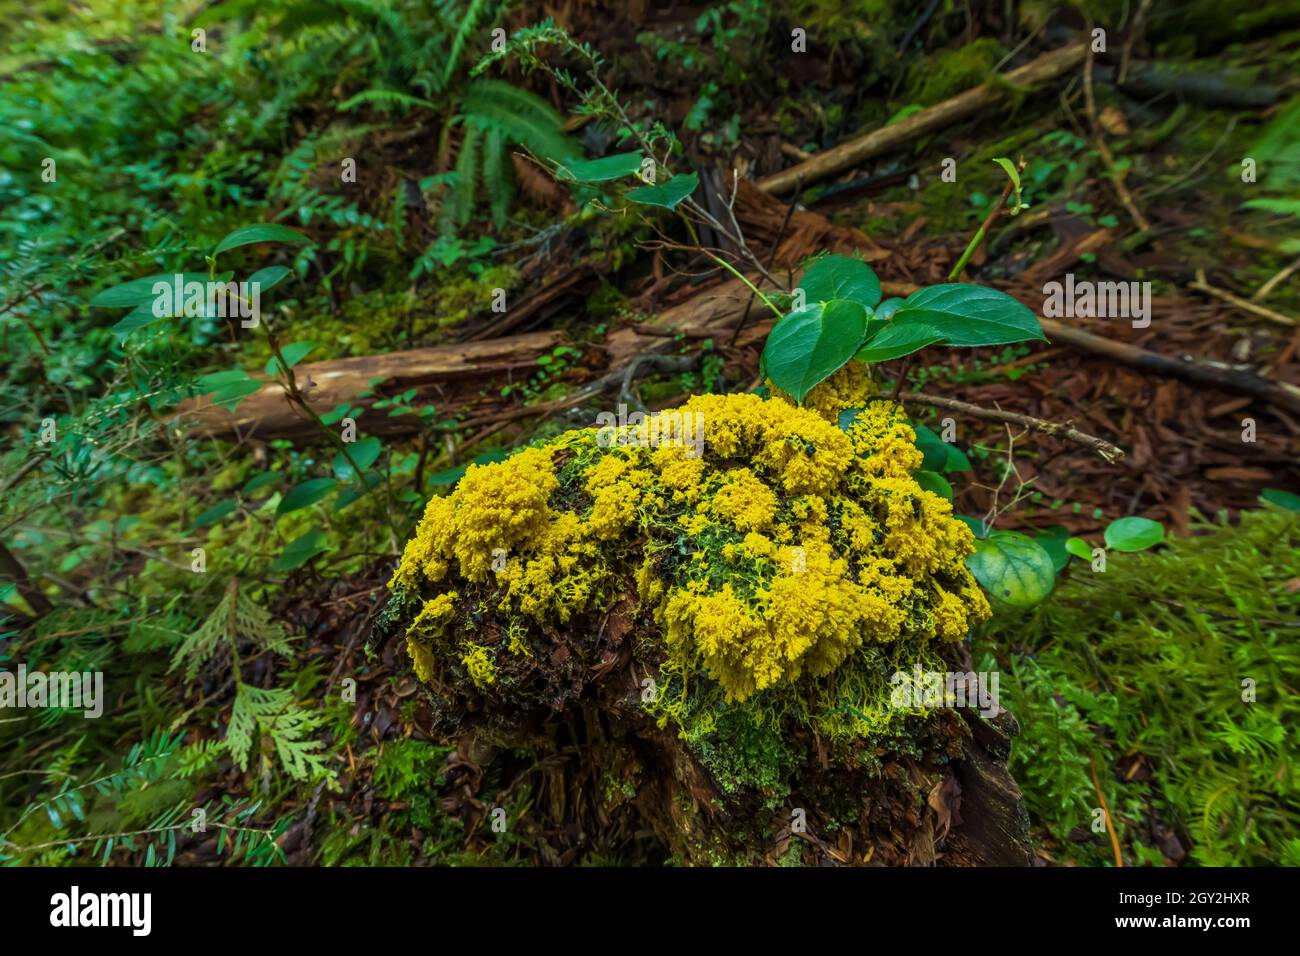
pixel 1041 70
pixel 463 368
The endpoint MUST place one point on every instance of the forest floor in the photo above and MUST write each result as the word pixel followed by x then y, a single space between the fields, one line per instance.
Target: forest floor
pixel 1138 181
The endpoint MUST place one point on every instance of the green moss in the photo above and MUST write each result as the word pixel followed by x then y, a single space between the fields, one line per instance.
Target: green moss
pixel 949 73
pixel 1146 666
pixel 743 754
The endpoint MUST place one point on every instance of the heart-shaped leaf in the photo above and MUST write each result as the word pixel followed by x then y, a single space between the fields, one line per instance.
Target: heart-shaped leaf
pixel 970 315
pixel 809 346
pixel 1013 568
pixel 841 277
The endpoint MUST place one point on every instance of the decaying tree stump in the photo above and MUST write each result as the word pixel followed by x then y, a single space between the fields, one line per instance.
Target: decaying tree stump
pixel 685 637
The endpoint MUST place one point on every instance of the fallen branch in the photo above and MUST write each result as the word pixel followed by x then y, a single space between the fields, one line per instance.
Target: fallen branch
pixel 268 414
pixel 1047 67
pixel 1202 285
pixel 1110 452
pixel 1248 383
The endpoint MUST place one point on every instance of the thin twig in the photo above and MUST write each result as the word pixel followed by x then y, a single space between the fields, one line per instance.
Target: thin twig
pixel 1104 448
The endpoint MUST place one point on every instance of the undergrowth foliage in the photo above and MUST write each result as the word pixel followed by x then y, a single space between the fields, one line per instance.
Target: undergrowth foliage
pixel 1169 677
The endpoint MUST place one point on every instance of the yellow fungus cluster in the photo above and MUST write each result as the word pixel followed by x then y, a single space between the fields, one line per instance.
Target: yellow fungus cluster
pixel 793 542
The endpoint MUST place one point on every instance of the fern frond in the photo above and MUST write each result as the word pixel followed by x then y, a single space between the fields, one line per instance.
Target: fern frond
pixel 523 117
pixel 385 99
pixel 234 618
pixel 462 196
pixel 469 22
pixel 272 711
pixel 498 176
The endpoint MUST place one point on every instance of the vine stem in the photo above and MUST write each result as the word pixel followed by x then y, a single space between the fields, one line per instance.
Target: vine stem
pixel 983 230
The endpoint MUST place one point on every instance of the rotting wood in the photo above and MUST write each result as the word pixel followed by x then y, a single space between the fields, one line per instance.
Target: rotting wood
pixel 1045 68
pixel 266 413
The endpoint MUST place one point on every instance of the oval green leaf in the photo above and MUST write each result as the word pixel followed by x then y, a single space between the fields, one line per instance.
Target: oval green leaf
pixel 666 195
pixel 215 513
pixel 293 353
pixel 305 495
pixel 301 550
pixel 809 346
pixel 841 277
pixel 1079 548
pixel 259 232
pixel 1134 534
pixel 970 315
pixel 934 482
pixel 895 341
pixel 363 453
pixel 601 170
pixel 1283 499
pixel 1013 568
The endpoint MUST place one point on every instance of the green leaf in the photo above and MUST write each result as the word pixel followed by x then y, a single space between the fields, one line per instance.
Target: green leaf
pixel 301 550
pixel 939 455
pixel 1079 548
pixel 1013 568
pixel 895 341
pixel 293 353
pixel 215 513
pixel 259 232
pixel 809 346
pixel 970 315
pixel 265 279
pixel 1283 499
pixel 934 482
pixel 841 277
pixel 258 482
pixel 452 475
pixel 229 387
pixel 665 195
pixel 140 291
pixel 887 308
pixel 1053 541
pixel 1011 171
pixel 305 495
pixel 138 318
pixel 976 525
pixel 353 491
pixel 363 453
pixel 1134 534
pixel 599 170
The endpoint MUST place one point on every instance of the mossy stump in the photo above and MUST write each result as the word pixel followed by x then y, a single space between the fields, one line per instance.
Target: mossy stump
pixel 692 627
